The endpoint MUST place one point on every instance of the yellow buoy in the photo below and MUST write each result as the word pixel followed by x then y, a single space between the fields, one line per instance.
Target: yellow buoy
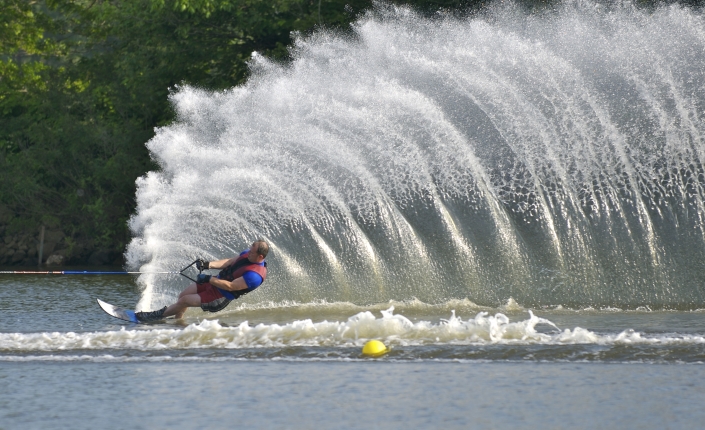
pixel 374 348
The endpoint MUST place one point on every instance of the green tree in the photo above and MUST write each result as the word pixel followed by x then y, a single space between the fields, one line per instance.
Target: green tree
pixel 84 83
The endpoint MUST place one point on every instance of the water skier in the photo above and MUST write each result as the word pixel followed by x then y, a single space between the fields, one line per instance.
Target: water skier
pixel 238 276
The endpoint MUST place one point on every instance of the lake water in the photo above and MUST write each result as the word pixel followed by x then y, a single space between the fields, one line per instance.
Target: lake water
pixel 513 202
pixel 66 364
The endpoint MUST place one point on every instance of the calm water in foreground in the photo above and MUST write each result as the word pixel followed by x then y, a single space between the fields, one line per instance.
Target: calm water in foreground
pixel 66 364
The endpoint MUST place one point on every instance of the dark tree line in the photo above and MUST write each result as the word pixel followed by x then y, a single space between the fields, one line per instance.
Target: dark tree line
pixel 83 83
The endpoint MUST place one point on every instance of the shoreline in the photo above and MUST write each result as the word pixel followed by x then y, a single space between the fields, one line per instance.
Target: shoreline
pixel 58 250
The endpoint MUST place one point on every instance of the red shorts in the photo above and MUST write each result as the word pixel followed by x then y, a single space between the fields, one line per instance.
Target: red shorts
pixel 212 300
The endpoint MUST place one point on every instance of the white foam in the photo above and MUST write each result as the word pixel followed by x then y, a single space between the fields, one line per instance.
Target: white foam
pixel 355 331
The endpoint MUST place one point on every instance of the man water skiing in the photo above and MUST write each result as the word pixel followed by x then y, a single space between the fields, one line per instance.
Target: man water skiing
pixel 238 276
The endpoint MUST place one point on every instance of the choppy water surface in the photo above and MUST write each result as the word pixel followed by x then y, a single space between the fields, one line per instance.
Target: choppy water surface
pixel 71 327
pixel 290 365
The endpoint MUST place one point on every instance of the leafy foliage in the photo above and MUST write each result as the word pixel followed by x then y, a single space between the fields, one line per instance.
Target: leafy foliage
pixel 83 83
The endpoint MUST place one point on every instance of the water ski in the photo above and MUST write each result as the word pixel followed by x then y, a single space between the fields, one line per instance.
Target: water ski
pixel 120 313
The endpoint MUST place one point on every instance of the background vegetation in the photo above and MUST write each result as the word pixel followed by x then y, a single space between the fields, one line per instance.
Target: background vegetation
pixel 83 83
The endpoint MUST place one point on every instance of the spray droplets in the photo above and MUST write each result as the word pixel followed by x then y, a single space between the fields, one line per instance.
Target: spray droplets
pixel 448 159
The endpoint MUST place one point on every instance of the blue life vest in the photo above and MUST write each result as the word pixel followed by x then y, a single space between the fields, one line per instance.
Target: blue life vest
pixel 239 269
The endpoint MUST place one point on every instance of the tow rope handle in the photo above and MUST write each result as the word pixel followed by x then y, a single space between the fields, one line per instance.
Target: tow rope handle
pixel 181 272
